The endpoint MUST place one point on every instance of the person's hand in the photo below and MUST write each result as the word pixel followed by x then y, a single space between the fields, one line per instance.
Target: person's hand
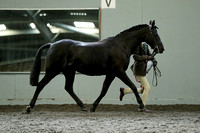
pixel 150 58
pixel 154 63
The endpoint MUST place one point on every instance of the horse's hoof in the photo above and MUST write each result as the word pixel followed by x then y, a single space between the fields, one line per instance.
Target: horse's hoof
pixel 28 110
pixel 144 110
pixel 84 109
pixel 142 107
pixel 92 110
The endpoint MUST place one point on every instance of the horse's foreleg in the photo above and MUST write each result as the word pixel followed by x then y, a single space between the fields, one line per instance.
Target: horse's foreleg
pixel 69 88
pixel 46 79
pixel 105 87
pixel 124 78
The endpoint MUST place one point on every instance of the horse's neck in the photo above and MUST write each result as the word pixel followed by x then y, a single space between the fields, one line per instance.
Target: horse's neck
pixel 128 44
pixel 130 41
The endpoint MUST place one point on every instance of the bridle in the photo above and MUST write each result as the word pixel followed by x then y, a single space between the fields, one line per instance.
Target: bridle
pixel 155 51
pixel 156 71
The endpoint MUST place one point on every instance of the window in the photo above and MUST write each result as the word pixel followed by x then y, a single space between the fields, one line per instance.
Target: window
pixel 22 32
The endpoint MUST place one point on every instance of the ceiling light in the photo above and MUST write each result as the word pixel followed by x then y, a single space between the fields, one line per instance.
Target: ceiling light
pixel 2 27
pixel 32 25
pixel 49 25
pixel 78 13
pixel 84 24
pixel 42 14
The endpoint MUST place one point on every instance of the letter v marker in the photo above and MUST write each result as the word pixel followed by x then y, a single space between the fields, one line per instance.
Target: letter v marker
pixel 108 3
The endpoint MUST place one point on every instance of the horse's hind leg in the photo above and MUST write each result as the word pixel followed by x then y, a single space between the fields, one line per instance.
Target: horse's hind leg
pixel 46 79
pixel 104 90
pixel 69 76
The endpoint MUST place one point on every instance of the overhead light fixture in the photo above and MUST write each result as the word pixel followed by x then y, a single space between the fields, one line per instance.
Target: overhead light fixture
pixel 42 14
pixel 2 27
pixel 49 25
pixel 84 24
pixel 32 25
pixel 78 14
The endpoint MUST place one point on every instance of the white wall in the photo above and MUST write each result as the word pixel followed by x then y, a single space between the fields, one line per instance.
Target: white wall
pixel 178 22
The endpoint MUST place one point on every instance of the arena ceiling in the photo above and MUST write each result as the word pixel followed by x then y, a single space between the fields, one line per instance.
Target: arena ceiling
pixel 48 23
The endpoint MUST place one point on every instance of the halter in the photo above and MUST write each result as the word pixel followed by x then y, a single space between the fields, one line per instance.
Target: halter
pixel 156 47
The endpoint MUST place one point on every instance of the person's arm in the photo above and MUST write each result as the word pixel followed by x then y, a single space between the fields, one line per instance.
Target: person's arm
pixel 150 54
pixel 141 57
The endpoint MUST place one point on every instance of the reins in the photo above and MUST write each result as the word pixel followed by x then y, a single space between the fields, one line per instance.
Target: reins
pixel 156 72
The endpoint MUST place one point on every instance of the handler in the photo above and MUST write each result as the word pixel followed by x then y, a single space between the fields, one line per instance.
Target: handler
pixel 142 57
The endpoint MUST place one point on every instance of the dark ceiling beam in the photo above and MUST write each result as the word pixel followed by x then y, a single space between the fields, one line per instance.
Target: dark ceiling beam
pixel 41 26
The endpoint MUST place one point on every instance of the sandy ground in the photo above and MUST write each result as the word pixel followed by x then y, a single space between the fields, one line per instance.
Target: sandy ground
pixel 106 119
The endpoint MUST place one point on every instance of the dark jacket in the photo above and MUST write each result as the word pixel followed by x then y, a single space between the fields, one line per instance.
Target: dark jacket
pixel 141 57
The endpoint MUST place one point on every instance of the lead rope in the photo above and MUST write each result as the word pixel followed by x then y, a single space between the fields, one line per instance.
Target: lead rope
pixel 156 73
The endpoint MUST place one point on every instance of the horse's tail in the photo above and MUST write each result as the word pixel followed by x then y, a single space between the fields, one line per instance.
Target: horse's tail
pixel 35 72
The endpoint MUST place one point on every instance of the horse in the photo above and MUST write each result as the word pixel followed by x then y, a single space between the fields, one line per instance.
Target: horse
pixel 109 57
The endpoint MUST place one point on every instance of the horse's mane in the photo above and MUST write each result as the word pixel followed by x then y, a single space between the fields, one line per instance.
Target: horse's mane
pixel 134 28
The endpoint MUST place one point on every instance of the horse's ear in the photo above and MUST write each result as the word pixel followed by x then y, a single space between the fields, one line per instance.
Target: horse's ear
pixel 150 22
pixel 153 23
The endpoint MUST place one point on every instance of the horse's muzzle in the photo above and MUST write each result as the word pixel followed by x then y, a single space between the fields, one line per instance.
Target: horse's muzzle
pixel 161 51
pixel 159 48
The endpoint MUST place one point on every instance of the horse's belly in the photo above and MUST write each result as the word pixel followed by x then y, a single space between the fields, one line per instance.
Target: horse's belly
pixel 92 70
pixel 91 73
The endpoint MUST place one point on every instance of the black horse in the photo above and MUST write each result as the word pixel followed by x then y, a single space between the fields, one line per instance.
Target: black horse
pixel 108 57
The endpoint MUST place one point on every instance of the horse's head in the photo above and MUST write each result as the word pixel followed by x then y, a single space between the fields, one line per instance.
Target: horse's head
pixel 153 39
